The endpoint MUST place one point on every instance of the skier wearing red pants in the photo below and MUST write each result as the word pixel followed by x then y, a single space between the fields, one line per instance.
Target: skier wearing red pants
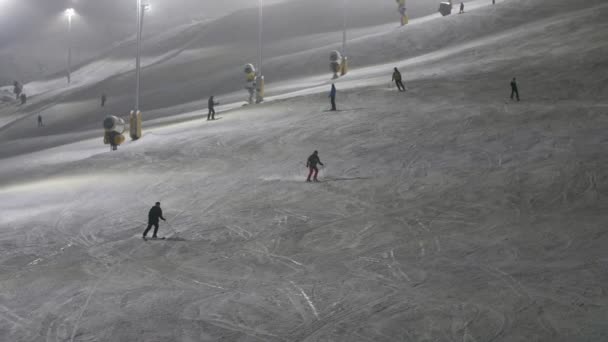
pixel 311 164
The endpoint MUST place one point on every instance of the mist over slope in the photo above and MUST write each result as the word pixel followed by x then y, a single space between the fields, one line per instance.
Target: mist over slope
pixel 184 65
pixel 33 36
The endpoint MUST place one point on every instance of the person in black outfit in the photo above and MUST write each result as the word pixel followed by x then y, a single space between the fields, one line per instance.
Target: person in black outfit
pixel 211 105
pixel 155 213
pixel 397 78
pixel 40 124
pixel 103 99
pixel 514 90
pixel 332 96
pixel 311 164
pixel 461 8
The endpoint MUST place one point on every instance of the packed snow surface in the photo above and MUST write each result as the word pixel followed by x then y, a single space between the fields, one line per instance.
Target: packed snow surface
pixel 445 213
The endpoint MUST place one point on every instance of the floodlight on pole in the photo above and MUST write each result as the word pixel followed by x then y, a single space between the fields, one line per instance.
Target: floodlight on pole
pixel 69 13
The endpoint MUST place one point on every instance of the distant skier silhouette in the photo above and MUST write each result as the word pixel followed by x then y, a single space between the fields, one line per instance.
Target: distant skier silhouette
pixel 311 164
pixel 40 124
pixel 397 78
pixel 332 97
pixel 104 98
pixel 23 98
pixel 461 8
pixel 514 90
pixel 153 215
pixel 17 89
pixel 211 105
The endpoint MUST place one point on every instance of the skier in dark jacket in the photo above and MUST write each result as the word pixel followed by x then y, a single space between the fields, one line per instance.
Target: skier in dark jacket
pixel 211 105
pixel 23 98
pixel 104 98
pixel 17 89
pixel 155 213
pixel 461 8
pixel 40 124
pixel 311 164
pixel 397 78
pixel 514 90
pixel 332 96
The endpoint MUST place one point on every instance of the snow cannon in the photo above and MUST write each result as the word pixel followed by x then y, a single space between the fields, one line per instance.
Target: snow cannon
pixel 250 81
pixel 445 8
pixel 344 66
pixel 403 11
pixel 259 82
pixel 135 125
pixel 335 63
pixel 113 128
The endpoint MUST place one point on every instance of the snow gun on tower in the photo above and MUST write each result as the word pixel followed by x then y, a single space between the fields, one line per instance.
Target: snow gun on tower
pixel 403 11
pixel 250 81
pixel 336 63
pixel 445 8
pixel 113 127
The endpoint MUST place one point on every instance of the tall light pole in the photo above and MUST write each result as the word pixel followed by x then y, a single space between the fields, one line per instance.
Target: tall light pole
pixel 260 77
pixel 344 66
pixel 69 13
pixel 135 117
pixel 141 9
pixel 344 28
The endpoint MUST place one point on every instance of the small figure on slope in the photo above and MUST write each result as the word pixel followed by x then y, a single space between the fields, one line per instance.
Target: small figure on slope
pixel 17 89
pixel 332 97
pixel 514 90
pixel 311 164
pixel 155 213
pixel 461 8
pixel 40 124
pixel 397 78
pixel 211 105
pixel 104 98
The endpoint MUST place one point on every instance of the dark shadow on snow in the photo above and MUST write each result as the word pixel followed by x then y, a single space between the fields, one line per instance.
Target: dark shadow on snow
pixel 175 239
pixel 343 179
pixel 342 110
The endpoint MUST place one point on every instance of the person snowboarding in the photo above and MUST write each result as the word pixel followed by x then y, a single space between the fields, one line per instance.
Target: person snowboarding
pixel 514 90
pixel 104 98
pixel 397 78
pixel 155 213
pixel 311 164
pixel 40 124
pixel 211 105
pixel 461 8
pixel 332 96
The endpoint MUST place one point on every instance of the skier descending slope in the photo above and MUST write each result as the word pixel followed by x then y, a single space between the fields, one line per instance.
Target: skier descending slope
pixel 211 105
pixel 332 97
pixel 311 164
pixel 397 78
pixel 514 90
pixel 155 213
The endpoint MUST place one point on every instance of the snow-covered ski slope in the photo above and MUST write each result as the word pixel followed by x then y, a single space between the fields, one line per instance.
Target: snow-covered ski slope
pixel 447 213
